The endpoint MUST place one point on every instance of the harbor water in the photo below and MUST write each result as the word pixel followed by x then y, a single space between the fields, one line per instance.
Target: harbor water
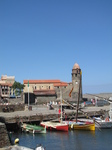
pixel 72 140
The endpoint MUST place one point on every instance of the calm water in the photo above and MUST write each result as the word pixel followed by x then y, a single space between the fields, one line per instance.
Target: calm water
pixel 73 140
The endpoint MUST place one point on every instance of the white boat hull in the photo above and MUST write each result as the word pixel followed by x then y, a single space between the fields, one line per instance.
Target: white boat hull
pixel 100 123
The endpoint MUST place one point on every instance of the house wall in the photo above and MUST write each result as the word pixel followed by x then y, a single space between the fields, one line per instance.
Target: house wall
pixel 37 87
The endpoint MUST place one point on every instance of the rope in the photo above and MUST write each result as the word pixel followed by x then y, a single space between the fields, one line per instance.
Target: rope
pixel 85 113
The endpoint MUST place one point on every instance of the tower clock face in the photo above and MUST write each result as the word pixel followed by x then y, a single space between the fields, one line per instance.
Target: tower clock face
pixel 76 82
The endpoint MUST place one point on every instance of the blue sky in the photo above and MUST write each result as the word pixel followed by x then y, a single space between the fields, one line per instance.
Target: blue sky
pixel 43 39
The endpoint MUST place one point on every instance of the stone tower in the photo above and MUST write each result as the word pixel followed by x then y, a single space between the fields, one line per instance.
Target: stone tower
pixel 76 79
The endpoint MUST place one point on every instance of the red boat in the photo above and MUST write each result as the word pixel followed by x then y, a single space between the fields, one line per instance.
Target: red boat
pixel 55 125
pixel 59 126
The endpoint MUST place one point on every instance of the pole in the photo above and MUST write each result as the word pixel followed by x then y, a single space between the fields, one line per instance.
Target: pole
pixel 28 94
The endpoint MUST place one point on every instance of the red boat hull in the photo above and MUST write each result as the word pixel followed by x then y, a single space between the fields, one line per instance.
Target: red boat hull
pixel 61 127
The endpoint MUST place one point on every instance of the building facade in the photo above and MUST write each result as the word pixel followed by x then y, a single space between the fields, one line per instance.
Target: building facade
pixel 40 90
pixel 49 90
pixel 6 83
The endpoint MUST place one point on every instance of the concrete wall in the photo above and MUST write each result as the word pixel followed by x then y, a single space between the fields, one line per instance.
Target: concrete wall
pixel 65 92
pixel 4 138
pixel 16 107
pixel 45 99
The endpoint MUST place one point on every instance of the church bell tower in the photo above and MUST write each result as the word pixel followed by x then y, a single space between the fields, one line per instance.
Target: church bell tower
pixel 76 83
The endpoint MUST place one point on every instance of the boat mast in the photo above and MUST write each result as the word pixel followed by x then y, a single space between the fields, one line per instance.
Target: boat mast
pixel 78 98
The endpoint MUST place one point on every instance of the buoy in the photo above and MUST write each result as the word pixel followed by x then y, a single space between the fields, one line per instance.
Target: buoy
pixel 16 141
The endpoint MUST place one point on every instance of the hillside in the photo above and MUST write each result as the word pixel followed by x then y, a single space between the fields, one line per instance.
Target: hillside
pixel 103 95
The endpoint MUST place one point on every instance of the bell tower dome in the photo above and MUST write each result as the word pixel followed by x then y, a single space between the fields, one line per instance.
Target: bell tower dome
pixel 76 82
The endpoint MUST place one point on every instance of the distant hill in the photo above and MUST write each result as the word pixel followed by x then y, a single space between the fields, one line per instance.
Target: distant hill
pixel 103 95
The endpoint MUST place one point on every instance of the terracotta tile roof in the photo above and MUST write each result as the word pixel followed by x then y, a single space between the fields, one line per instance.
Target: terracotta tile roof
pixel 54 82
pixel 6 84
pixel 60 84
pixel 40 81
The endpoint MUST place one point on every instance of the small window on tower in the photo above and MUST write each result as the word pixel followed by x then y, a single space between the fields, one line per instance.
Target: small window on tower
pixel 75 75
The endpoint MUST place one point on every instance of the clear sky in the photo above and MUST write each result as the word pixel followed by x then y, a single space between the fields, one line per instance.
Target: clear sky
pixel 43 39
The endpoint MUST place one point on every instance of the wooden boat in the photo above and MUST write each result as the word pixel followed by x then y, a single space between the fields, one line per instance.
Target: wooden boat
pixel 58 126
pixel 81 125
pixel 33 128
pixel 85 126
pixel 55 126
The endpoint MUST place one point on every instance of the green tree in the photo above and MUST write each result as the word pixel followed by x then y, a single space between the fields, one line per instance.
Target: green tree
pixel 18 87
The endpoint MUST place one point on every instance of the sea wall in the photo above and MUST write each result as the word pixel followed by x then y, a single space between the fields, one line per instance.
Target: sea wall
pixel 12 107
pixel 4 138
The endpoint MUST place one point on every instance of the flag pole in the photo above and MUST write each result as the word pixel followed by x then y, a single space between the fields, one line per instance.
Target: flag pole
pixel 28 94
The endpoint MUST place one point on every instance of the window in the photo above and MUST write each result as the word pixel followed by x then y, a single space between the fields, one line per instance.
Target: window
pixel 49 87
pixel 75 75
pixel 35 87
